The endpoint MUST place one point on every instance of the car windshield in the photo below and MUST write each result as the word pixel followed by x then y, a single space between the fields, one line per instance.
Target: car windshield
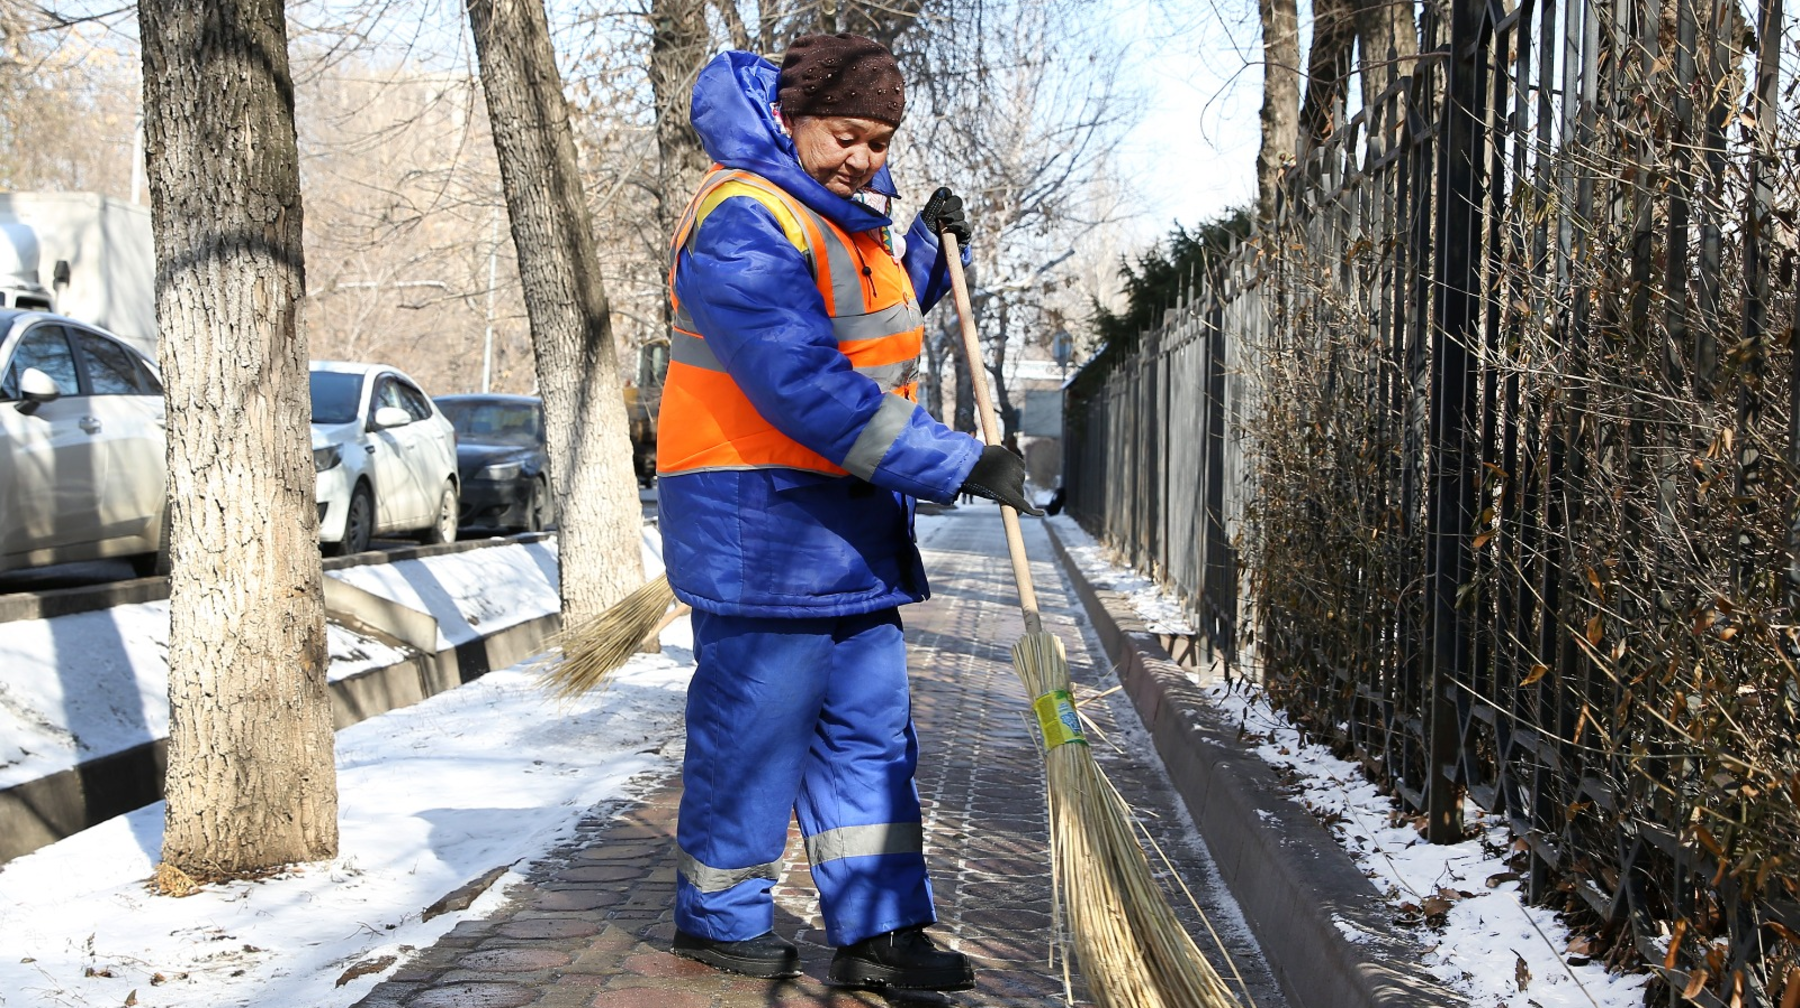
pixel 495 423
pixel 335 396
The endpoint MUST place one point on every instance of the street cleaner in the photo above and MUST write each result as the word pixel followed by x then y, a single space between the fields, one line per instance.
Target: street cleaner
pixel 790 455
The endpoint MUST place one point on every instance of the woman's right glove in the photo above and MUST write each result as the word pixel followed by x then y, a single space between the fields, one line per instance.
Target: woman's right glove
pixel 999 475
pixel 944 212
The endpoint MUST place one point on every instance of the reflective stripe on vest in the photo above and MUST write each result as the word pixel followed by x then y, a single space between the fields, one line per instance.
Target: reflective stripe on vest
pixel 707 423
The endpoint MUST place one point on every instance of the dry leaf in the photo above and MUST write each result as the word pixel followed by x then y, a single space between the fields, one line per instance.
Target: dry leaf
pixel 131 999
pixel 1521 972
pixel 1582 946
pixel 1696 983
pixel 364 968
pixel 1482 540
pixel 1537 672
pixel 1596 629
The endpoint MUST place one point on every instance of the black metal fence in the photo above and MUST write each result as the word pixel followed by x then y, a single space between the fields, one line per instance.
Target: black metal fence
pixel 1486 458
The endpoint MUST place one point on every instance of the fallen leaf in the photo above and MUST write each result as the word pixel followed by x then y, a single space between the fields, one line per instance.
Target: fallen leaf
pixel 131 999
pixel 1696 983
pixel 1521 972
pixel 364 968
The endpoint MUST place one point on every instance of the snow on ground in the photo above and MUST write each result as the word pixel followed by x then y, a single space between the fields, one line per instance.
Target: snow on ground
pixel 1491 945
pixel 77 687
pixel 488 776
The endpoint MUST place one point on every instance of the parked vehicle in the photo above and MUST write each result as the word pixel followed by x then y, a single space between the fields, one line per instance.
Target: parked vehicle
pixel 502 460
pixel 81 445
pixel 83 255
pixel 385 458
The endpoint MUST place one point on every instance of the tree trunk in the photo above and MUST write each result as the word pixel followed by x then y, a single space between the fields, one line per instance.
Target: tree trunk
pixel 252 775
pixel 1328 66
pixel 1389 36
pixel 963 418
pixel 578 370
pixel 1281 100
pixel 679 46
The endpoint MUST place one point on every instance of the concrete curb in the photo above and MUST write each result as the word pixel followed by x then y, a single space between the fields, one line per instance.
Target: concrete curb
pixel 1326 932
pixel 40 812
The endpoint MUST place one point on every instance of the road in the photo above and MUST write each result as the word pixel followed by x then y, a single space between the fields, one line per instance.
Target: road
pixel 97 572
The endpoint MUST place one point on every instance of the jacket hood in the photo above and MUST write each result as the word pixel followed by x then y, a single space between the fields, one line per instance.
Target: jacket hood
pixel 732 113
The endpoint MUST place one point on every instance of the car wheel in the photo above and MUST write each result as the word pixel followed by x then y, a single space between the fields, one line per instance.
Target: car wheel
pixel 443 527
pixel 540 507
pixel 359 524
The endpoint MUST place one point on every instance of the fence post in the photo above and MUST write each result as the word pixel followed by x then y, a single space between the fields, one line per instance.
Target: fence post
pixel 1454 482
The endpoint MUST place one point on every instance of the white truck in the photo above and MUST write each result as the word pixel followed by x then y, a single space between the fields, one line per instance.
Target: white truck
pixel 83 255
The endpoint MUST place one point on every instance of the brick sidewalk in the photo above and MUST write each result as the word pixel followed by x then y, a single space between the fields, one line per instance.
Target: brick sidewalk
pixel 592 925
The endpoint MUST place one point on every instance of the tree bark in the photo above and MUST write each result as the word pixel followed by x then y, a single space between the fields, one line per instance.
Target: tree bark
pixel 1328 66
pixel 1389 37
pixel 1281 100
pixel 252 775
pixel 679 47
pixel 577 364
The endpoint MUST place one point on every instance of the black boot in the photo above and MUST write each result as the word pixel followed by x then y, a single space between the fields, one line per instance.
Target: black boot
pixel 767 956
pixel 904 959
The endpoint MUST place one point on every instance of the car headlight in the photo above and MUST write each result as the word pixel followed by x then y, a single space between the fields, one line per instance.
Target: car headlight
pixel 500 471
pixel 326 457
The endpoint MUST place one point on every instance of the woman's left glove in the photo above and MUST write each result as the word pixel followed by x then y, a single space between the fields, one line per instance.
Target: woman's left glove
pixel 999 475
pixel 944 212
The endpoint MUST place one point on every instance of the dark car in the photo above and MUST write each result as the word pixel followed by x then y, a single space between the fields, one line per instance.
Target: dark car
pixel 502 460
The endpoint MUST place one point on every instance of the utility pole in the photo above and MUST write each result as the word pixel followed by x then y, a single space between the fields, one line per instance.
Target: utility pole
pixel 487 344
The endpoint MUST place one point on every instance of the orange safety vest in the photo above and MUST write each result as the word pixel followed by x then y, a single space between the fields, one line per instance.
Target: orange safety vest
pixel 706 421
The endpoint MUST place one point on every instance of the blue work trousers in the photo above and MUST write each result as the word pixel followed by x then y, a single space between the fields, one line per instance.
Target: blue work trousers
pixel 809 717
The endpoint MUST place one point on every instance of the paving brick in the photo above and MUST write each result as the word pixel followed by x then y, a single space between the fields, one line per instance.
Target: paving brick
pixel 640 998
pixel 474 995
pixel 514 960
pixel 549 928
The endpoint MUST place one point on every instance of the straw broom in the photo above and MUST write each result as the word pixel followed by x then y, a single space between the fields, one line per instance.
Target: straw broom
pixel 1132 950
pixel 591 649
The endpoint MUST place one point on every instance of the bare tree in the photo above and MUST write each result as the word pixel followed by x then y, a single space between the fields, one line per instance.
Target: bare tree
pixel 251 778
pixel 67 105
pixel 578 375
pixel 1018 109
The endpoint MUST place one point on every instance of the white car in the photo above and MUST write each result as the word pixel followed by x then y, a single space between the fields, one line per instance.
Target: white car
pixel 385 457
pixel 82 434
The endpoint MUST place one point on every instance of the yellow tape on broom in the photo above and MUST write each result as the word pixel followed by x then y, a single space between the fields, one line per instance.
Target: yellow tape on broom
pixel 1057 719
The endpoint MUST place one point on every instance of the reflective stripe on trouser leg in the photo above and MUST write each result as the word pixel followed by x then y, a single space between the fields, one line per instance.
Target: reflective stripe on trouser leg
pixel 858 806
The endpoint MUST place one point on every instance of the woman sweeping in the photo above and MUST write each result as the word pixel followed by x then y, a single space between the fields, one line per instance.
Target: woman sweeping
pixel 791 452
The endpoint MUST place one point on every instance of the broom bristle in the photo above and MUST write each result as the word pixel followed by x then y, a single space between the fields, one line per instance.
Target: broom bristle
pixel 591 649
pixel 1133 951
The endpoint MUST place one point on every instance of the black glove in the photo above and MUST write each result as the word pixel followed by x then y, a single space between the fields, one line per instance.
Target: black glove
pixel 944 212
pixel 999 475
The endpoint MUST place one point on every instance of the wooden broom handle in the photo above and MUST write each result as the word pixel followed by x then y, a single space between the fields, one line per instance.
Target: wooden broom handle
pixel 990 430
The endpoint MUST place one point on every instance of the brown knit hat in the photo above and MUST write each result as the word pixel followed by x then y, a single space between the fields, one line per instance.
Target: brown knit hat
pixel 841 75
